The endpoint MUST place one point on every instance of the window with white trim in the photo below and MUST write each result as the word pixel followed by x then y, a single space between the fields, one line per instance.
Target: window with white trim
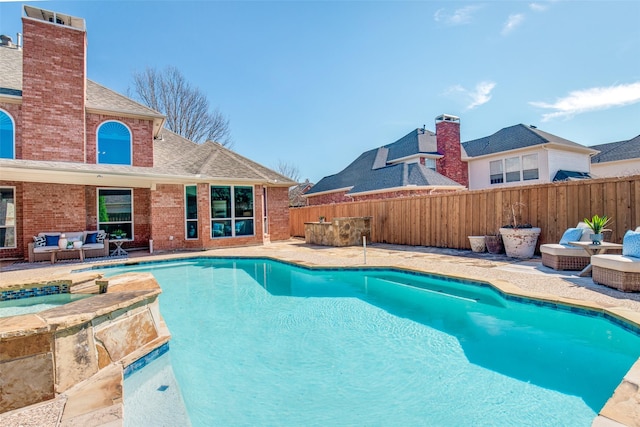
pixel 115 212
pixel 114 144
pixel 191 211
pixel 512 168
pixel 496 172
pixel 7 136
pixel 7 217
pixel 530 167
pixel 232 213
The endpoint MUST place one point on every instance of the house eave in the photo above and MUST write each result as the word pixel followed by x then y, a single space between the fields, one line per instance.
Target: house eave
pixel 410 188
pixel 11 99
pixel 321 193
pixel 95 175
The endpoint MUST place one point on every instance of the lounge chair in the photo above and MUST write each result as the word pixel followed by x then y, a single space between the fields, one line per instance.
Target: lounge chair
pixel 621 272
pixel 562 256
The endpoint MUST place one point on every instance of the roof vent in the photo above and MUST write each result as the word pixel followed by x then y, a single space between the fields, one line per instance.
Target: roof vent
pixel 6 41
pixel 533 127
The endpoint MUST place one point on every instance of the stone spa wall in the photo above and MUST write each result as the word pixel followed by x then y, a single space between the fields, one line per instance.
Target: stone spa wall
pixel 339 232
pixel 78 350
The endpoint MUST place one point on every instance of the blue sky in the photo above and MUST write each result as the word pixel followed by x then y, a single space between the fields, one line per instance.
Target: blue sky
pixel 316 83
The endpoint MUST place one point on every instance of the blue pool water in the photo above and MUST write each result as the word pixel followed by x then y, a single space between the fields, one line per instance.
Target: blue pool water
pixel 36 304
pixel 258 342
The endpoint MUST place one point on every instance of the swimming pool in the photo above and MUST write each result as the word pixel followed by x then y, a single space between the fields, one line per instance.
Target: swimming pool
pixel 259 342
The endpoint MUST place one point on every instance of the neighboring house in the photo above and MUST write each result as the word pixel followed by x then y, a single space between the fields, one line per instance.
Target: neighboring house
pixel 412 165
pixel 524 155
pixel 76 156
pixel 617 158
pixel 297 192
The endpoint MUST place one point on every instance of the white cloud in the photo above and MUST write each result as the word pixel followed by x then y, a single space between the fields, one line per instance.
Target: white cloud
pixel 513 21
pixel 459 17
pixel 538 7
pixel 481 94
pixel 593 99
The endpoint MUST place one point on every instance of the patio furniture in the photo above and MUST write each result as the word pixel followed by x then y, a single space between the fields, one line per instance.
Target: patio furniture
pixel 94 244
pixel 592 249
pixel 563 256
pixel 620 272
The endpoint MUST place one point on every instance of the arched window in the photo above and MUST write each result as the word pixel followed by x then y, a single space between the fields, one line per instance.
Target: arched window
pixel 7 136
pixel 114 144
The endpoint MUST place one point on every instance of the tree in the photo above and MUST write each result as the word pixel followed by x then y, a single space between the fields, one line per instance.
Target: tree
pixel 186 107
pixel 288 170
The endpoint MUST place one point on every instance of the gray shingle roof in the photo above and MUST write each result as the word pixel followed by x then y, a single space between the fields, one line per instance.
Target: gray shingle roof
pixel 371 171
pixel 177 155
pixel 513 138
pixel 98 96
pixel 614 151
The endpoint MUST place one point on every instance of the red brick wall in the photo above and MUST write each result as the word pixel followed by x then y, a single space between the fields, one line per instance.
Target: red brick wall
pixel 141 136
pixel 448 141
pixel 340 197
pixel 53 92
pixel 325 199
pixel 278 213
pixel 20 244
pixel 51 207
pixel 15 111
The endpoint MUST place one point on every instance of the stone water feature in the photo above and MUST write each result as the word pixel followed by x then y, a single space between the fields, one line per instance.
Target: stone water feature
pixel 346 231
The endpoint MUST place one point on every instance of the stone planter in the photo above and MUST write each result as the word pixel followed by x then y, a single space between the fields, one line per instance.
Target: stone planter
pixel 477 243
pixel 520 242
pixel 494 244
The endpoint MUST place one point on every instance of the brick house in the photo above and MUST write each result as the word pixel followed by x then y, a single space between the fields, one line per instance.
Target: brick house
pixel 77 156
pixel 413 165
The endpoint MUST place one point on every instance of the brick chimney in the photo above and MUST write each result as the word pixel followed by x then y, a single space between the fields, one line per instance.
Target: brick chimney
pixel 448 142
pixel 53 86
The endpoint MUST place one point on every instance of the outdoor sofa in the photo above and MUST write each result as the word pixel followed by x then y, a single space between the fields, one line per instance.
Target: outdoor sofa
pixel 562 256
pixel 95 244
pixel 621 272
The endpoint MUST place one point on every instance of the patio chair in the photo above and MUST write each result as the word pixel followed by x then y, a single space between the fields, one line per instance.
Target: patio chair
pixel 621 272
pixel 562 256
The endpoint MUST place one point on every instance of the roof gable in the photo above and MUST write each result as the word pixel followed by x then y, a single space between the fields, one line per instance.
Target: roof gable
pixel 512 138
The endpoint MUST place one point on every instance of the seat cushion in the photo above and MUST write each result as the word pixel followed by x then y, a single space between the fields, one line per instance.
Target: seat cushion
pixel 93 246
pixel 617 262
pixel 41 249
pixel 562 250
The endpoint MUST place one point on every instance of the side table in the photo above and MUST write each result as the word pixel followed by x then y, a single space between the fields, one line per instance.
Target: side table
pixel 118 251
pixel 592 249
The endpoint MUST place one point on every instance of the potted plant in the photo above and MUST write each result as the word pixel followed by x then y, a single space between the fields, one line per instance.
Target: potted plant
pixel 519 238
pixel 494 243
pixel 321 219
pixel 119 234
pixel 597 224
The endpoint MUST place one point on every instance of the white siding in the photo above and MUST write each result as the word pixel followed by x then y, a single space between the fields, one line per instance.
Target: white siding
pixel 567 160
pixel 620 168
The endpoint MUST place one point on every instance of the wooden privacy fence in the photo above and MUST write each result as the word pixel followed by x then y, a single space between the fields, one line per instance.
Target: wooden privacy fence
pixel 445 220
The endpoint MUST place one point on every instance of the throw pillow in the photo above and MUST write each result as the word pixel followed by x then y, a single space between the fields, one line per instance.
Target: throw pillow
pixel 91 238
pixel 571 235
pixel 39 241
pixel 51 240
pixel 631 244
pixel 101 236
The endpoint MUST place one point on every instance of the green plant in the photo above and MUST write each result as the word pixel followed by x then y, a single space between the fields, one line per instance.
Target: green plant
pixel 321 219
pixel 597 223
pixel 103 215
pixel 119 233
